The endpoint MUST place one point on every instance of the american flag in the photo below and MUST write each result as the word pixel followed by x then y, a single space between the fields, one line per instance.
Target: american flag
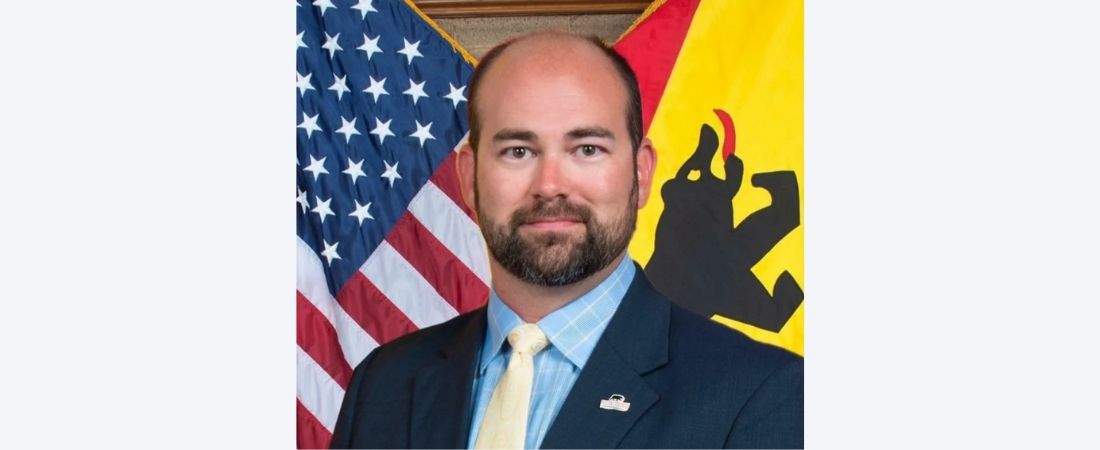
pixel 385 244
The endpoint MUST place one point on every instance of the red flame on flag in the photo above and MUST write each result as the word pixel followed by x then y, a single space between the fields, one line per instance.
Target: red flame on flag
pixel 729 132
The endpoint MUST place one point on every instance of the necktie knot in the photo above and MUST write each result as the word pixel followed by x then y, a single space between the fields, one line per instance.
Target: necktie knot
pixel 527 339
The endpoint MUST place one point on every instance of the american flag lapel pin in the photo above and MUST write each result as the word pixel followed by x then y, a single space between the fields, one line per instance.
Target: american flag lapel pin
pixel 617 402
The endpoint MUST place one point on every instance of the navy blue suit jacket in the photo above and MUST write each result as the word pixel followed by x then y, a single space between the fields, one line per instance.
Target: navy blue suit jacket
pixel 690 383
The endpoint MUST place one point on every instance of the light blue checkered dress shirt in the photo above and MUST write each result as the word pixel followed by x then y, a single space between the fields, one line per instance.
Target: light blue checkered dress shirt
pixel 572 331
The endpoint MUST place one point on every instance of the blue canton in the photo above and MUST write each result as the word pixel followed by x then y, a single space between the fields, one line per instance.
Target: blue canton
pixel 573 331
pixel 380 105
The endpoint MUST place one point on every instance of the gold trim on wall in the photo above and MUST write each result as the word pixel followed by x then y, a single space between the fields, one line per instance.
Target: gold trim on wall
pixel 498 8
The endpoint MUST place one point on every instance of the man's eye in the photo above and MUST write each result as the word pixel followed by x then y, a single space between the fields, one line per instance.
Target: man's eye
pixel 517 152
pixel 588 150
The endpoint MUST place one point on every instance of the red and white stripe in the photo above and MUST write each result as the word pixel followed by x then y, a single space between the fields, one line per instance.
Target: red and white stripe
pixel 431 267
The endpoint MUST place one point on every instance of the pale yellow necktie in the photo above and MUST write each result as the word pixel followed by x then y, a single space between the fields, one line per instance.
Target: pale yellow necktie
pixel 505 421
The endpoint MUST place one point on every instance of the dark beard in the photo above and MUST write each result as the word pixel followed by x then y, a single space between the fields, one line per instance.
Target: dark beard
pixel 559 259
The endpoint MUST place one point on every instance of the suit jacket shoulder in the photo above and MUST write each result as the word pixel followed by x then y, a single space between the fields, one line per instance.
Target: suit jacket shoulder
pixel 413 392
pixel 699 341
pixel 406 354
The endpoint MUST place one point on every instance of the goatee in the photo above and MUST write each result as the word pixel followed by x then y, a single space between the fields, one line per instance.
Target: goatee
pixel 557 258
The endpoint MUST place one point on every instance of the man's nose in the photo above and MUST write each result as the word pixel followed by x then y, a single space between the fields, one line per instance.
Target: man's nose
pixel 550 181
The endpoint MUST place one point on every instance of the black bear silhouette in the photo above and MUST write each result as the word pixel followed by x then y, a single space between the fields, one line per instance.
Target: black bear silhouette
pixel 702 262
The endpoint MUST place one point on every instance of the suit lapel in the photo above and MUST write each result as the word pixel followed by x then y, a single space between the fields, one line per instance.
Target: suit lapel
pixel 442 391
pixel 581 423
pixel 634 344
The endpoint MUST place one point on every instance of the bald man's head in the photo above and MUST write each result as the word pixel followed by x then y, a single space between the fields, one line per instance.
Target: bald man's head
pixel 559 48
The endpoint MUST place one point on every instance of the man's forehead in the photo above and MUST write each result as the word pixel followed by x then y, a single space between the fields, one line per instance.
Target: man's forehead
pixel 549 54
pixel 551 84
pixel 549 43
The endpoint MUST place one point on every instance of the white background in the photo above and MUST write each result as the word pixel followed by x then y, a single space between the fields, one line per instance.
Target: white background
pixel 148 224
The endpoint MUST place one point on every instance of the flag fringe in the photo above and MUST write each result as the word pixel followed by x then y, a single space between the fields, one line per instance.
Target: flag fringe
pixel 438 29
pixel 641 18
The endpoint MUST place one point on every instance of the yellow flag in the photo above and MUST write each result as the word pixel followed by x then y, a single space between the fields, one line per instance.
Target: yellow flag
pixel 722 88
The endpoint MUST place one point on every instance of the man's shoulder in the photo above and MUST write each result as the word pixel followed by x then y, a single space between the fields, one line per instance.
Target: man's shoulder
pixel 695 340
pixel 412 350
pixel 699 339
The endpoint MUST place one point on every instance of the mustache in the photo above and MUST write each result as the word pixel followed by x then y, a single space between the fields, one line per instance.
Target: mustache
pixel 558 208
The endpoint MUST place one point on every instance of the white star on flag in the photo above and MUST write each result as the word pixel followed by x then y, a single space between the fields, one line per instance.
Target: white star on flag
pixel 355 170
pixel 309 124
pixel 330 251
pixel 365 6
pixel 415 90
pixel 331 45
pixel 423 132
pixel 339 85
pixel 371 46
pixel 456 94
pixel 301 40
pixel 362 212
pixel 303 199
pixel 376 88
pixel 348 128
pixel 324 4
pixel 411 50
pixel 382 129
pixel 322 209
pixel 316 167
pixel 391 172
pixel 303 83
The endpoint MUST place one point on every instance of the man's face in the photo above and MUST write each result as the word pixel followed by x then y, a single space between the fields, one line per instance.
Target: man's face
pixel 557 182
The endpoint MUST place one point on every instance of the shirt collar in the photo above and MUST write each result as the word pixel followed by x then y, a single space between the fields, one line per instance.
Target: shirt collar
pixel 574 328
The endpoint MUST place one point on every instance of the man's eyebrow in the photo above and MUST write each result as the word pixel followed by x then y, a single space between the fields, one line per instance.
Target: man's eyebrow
pixel 512 134
pixel 586 132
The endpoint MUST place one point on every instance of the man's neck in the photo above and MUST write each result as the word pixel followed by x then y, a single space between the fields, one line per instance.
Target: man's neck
pixel 533 302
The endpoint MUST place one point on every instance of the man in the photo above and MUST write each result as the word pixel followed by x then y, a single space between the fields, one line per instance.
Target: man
pixel 575 347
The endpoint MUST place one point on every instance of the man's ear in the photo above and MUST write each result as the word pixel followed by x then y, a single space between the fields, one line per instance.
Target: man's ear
pixel 466 167
pixel 646 160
